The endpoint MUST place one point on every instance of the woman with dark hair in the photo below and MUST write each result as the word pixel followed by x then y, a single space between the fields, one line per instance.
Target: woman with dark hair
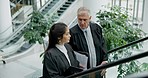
pixel 59 56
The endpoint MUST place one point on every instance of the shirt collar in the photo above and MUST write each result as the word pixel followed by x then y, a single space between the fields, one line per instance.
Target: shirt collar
pixel 86 29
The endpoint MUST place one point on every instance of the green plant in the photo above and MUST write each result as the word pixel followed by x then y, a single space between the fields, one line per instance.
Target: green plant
pixel 37 28
pixel 118 30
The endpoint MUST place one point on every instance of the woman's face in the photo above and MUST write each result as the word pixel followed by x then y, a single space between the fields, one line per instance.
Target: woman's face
pixel 66 36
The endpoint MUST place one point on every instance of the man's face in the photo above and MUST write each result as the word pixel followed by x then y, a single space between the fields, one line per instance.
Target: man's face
pixel 83 19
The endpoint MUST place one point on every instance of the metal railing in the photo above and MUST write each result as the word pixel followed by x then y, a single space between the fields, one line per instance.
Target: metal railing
pixel 124 60
pixel 136 7
pixel 129 44
pixel 74 22
pixel 56 7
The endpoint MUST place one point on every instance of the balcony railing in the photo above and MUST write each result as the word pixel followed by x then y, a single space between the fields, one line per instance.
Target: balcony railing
pixel 135 7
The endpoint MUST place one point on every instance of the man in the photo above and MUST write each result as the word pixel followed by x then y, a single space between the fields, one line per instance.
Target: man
pixel 86 38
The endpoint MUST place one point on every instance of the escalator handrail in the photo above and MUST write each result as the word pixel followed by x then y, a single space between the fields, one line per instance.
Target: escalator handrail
pixel 56 7
pixel 124 60
pixel 43 7
pixel 129 44
pixel 14 34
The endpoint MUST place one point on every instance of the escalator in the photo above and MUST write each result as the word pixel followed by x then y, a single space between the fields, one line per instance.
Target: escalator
pixel 49 8
pixel 64 7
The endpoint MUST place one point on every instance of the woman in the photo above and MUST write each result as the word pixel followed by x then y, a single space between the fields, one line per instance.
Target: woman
pixel 59 56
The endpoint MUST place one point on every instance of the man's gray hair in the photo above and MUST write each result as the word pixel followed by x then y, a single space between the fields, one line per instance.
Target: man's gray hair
pixel 83 9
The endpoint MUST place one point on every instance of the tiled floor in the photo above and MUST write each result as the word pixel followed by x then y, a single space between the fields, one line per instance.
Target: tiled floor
pixel 26 65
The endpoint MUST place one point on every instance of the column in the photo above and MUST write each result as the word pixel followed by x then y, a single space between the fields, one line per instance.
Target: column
pixel 145 17
pixel 5 20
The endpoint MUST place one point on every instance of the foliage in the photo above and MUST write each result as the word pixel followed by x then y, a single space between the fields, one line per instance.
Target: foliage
pixel 118 30
pixel 117 26
pixel 37 28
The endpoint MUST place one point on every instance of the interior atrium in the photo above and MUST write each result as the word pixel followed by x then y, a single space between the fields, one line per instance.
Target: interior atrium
pixel 20 59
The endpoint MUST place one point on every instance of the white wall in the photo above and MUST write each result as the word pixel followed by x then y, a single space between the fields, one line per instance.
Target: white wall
pixel 94 6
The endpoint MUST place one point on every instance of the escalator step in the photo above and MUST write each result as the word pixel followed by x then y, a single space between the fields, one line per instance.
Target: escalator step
pixel 60 11
pixel 63 8
pixel 68 3
pixel 71 0
pixel 65 5
pixel 59 14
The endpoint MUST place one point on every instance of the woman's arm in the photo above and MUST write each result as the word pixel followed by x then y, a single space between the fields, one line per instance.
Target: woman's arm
pixel 51 67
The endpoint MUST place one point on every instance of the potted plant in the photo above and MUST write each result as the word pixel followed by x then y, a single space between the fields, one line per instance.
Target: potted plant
pixel 118 30
pixel 37 28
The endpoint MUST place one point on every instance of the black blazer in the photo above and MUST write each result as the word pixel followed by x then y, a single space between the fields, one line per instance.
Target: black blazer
pixel 78 41
pixel 55 63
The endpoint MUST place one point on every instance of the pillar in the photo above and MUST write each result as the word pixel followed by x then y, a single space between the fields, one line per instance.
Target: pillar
pixel 5 20
pixel 145 17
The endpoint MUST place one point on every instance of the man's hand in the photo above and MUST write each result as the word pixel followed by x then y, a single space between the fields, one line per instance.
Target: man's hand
pixel 104 62
pixel 81 66
pixel 103 71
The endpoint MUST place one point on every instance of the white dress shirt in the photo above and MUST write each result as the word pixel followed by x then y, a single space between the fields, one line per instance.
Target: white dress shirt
pixel 63 50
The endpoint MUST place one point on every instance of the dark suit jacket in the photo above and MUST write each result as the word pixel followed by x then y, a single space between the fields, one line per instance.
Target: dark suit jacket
pixel 55 63
pixel 78 41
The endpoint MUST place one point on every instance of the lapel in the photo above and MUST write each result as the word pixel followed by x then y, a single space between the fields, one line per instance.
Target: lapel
pixel 65 60
pixel 93 32
pixel 69 52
